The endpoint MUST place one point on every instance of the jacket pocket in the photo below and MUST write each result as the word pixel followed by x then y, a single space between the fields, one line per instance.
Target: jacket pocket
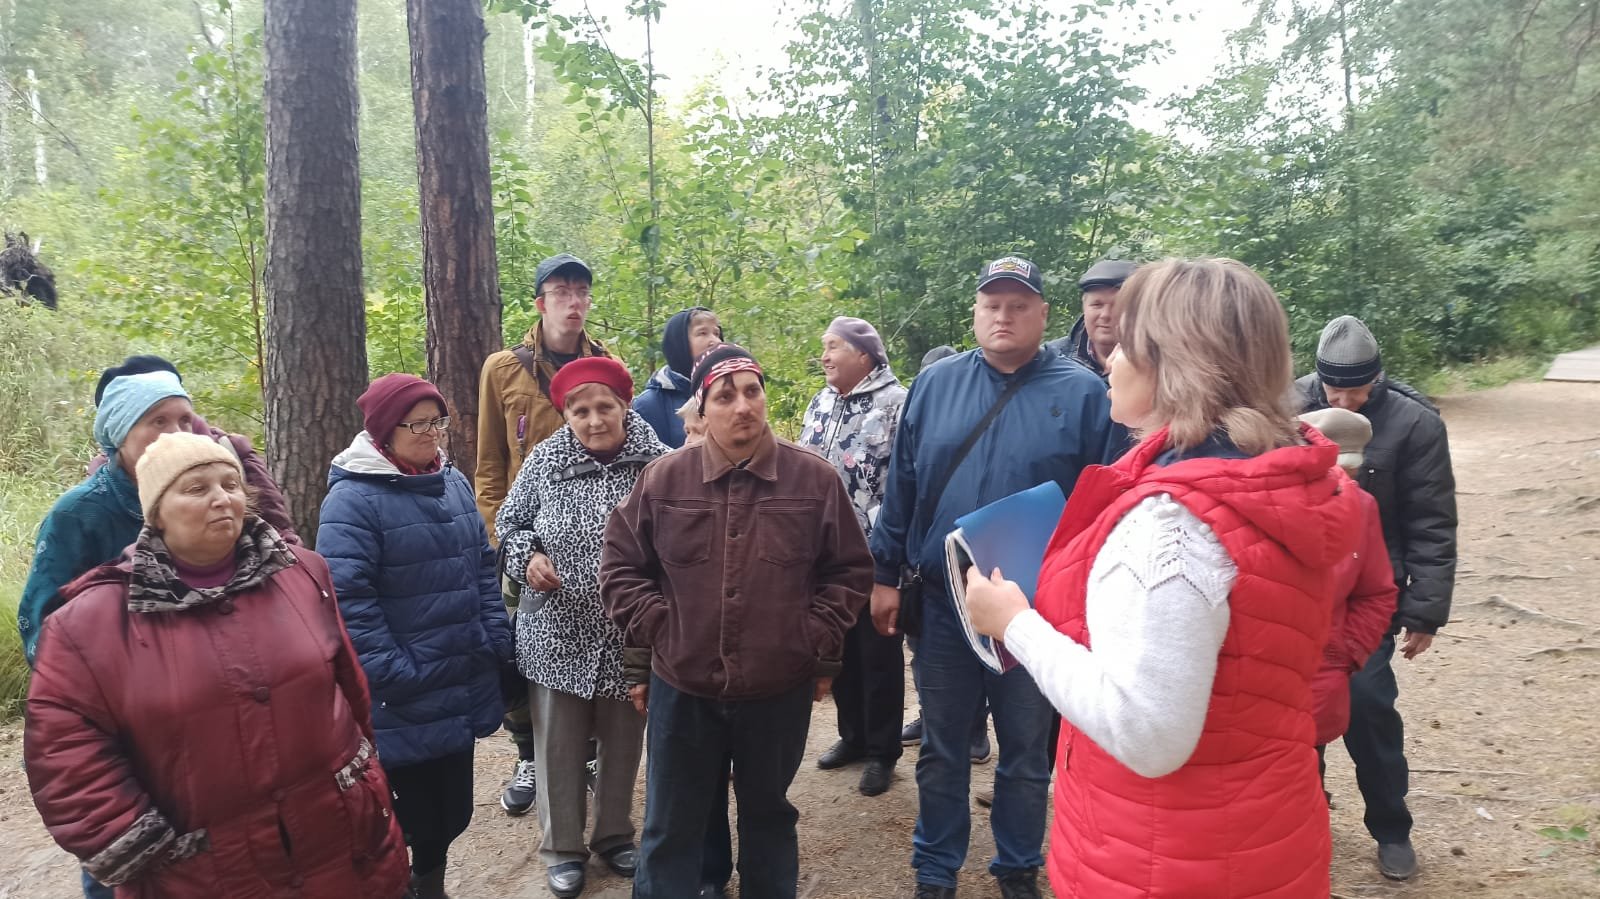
pixel 362 796
pixel 683 535
pixel 786 534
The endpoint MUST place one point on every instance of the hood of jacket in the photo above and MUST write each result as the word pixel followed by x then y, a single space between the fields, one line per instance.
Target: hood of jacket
pixel 1293 495
pixel 675 340
pixel 362 460
pixel 666 379
pixel 877 379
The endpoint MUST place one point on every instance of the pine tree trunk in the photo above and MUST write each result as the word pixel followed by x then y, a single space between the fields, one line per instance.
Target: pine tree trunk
pixel 460 274
pixel 316 317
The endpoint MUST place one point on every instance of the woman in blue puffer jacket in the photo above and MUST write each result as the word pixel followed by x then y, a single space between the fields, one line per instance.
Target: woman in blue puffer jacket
pixel 420 595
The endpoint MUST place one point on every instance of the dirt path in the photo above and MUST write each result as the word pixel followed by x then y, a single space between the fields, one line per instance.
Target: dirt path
pixel 1503 715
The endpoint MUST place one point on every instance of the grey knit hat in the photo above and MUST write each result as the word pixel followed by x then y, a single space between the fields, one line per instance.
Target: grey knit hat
pixel 861 335
pixel 1351 431
pixel 1347 354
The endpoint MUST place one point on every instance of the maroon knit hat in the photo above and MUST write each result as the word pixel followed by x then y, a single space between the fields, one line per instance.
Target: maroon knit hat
pixel 591 370
pixel 389 398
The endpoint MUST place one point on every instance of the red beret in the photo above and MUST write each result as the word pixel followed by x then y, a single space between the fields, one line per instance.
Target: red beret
pixel 389 398
pixel 591 370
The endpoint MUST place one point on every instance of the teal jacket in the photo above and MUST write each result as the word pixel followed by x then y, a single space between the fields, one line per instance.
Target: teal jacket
pixel 89 525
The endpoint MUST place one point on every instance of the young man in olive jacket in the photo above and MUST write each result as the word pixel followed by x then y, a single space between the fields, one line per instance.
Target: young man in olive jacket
pixel 739 564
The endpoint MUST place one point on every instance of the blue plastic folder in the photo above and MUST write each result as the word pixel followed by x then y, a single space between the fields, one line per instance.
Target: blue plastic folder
pixel 1009 534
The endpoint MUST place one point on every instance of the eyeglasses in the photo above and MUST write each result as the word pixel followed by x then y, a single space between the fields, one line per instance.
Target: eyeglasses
pixel 582 294
pixel 423 427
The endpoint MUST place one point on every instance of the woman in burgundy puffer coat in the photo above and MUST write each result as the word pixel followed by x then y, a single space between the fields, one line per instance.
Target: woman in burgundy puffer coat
pixel 198 724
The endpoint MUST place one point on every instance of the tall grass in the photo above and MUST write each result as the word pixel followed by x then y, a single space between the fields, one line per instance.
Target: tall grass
pixel 48 366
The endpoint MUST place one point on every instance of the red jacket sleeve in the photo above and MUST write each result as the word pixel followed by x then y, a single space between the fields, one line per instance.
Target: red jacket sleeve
pixel 270 503
pixel 83 785
pixel 1371 604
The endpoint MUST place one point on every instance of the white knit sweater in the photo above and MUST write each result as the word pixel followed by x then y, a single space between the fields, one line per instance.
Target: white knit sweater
pixel 1157 612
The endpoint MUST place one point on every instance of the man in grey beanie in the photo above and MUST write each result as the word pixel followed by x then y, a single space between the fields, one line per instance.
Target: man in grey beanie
pixel 1094 334
pixel 1407 470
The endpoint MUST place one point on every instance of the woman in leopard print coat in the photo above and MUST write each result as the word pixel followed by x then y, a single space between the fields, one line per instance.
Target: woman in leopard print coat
pixel 551 528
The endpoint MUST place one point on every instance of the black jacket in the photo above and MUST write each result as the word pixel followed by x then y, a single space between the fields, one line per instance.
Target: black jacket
pixel 1407 470
pixel 1075 346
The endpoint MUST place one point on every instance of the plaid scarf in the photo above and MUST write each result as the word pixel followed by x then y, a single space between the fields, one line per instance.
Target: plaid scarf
pixel 155 586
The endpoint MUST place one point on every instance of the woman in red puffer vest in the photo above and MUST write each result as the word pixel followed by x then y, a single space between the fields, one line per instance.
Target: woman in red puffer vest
pixel 1182 609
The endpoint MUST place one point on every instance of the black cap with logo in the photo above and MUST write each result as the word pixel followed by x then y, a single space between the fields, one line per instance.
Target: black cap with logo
pixel 1012 268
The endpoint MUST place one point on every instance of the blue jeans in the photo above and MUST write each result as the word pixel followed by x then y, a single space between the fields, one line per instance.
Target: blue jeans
pixel 1376 741
pixel 953 685
pixel 94 889
pixel 689 739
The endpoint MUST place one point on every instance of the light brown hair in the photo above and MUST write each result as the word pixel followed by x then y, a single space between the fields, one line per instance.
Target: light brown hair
pixel 1217 340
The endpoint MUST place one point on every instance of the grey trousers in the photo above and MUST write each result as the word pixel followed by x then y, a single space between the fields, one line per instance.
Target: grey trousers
pixel 563 725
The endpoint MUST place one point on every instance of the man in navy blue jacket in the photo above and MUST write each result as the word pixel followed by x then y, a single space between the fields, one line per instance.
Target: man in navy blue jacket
pixel 1057 422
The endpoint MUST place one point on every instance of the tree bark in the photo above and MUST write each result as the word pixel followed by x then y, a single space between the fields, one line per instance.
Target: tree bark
pixel 316 315
pixel 460 275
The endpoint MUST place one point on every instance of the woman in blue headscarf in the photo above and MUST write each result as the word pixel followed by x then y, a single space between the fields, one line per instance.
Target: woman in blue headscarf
pixel 93 522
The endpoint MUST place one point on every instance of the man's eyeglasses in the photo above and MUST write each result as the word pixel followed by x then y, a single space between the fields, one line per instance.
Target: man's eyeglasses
pixel 423 427
pixel 581 294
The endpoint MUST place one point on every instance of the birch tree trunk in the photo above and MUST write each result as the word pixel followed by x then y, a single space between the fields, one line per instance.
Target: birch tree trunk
pixel 41 162
pixel 316 317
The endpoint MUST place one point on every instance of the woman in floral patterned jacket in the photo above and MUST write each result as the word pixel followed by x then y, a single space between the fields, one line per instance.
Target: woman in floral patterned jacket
pixel 852 422
pixel 551 528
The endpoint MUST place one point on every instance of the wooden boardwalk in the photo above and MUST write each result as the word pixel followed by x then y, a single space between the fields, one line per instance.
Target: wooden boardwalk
pixel 1581 365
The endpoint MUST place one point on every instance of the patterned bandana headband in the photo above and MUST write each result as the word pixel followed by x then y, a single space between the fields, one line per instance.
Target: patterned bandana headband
pixel 730 366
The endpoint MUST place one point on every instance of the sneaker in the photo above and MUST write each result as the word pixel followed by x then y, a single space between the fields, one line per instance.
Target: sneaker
pixel 981 750
pixel 1397 861
pixel 934 891
pixel 712 891
pixel 1020 884
pixel 911 734
pixel 523 790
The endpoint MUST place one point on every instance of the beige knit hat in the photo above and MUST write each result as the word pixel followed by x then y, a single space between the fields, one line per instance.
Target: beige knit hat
pixel 1351 431
pixel 169 457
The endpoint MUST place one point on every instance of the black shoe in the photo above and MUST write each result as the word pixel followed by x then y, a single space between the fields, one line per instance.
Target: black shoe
pixel 429 885
pixel 933 891
pixel 981 750
pixel 1397 861
pixel 839 755
pixel 712 891
pixel 911 734
pixel 566 879
pixel 623 860
pixel 1020 884
pixel 875 777
pixel 523 790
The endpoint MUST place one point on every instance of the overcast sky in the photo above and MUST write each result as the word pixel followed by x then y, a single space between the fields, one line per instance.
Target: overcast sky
pixel 727 40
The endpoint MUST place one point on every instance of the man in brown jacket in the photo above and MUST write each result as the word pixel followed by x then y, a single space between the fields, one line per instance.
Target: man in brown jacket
pixel 740 564
pixel 514 415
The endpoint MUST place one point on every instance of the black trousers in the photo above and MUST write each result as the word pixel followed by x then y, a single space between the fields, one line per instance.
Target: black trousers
pixel 433 802
pixel 689 739
pixel 1376 742
pixel 870 691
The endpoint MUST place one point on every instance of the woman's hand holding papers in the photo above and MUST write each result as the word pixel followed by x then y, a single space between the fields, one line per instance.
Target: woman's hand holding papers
pixel 992 602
